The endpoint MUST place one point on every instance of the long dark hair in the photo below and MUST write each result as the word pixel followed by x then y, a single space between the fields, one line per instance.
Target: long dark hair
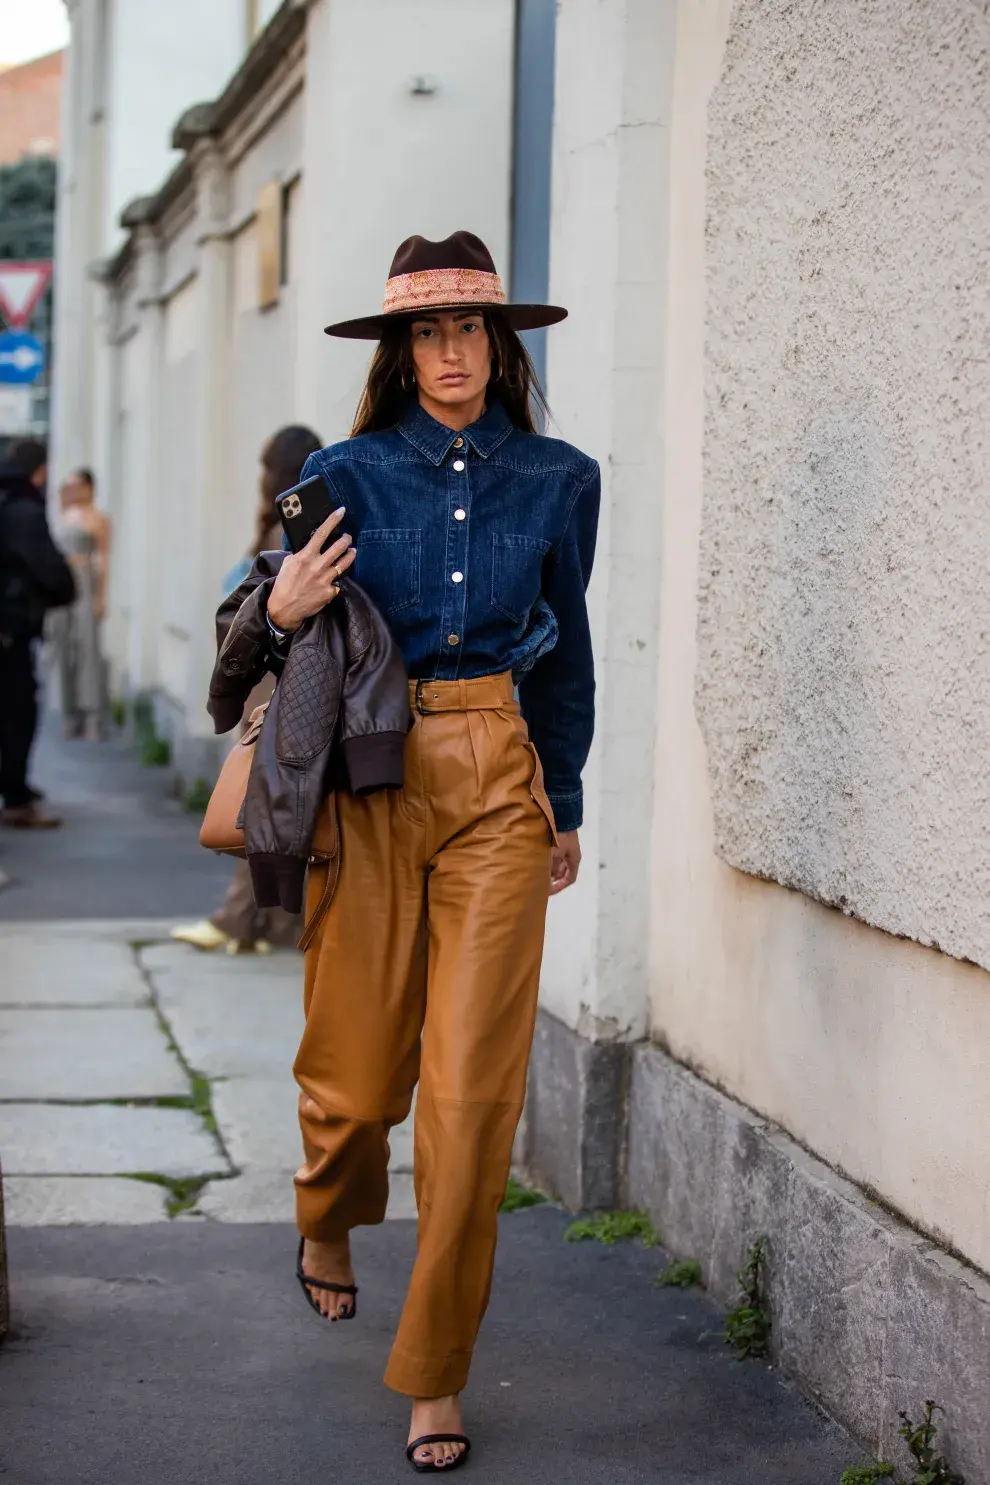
pixel 282 459
pixel 391 382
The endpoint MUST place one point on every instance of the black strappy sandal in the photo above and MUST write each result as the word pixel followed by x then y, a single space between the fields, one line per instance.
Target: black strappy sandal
pixel 308 1283
pixel 429 1468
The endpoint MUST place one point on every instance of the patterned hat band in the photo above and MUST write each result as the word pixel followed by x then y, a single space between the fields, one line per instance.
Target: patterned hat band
pixel 440 288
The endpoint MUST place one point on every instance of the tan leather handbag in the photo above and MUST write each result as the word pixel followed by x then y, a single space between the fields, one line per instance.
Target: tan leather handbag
pixel 223 826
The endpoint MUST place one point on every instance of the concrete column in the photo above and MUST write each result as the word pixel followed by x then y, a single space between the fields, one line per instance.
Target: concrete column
pixel 608 264
pixel 138 463
pixel 78 244
pixel 209 545
pixel 360 198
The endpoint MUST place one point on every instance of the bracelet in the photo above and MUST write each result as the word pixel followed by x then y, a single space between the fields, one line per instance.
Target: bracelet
pixel 279 635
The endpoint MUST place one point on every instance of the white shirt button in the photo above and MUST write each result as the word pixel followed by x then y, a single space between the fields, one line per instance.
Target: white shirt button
pixel 458 465
pixel 459 515
pixel 457 577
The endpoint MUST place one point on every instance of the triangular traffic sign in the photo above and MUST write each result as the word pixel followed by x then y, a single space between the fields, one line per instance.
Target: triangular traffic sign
pixel 21 286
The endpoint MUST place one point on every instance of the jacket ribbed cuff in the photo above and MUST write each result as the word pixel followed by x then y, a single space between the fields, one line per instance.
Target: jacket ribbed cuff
pixel 374 761
pixel 278 882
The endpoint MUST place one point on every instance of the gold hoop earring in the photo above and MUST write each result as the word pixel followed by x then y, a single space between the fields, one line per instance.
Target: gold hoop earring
pixel 407 386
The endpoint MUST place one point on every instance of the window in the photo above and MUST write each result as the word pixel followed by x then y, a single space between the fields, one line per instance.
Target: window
pixel 270 238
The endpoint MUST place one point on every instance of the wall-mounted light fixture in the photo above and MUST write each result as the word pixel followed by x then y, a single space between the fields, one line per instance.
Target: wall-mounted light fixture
pixel 423 87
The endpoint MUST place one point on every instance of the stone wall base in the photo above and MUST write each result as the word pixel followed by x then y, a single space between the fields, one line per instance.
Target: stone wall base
pixel 574 1130
pixel 868 1316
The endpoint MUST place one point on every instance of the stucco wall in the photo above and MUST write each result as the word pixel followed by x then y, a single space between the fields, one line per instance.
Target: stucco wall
pixel 869 1050
pixel 614 64
pixel 844 665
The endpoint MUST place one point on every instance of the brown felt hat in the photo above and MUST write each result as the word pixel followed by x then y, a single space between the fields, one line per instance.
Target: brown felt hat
pixel 458 273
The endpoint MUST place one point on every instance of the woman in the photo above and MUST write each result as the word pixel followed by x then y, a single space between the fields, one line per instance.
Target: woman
pixel 238 926
pixel 475 539
pixel 85 537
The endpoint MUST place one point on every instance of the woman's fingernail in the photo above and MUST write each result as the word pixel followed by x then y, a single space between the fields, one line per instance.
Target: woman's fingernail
pixel 340 510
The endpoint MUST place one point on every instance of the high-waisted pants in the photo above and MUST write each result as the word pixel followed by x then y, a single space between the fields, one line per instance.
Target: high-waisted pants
pixel 426 967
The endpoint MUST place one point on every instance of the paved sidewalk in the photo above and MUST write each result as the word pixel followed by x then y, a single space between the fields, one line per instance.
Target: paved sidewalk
pixel 148 1137
pixel 141 1079
pixel 171 1355
pixel 126 850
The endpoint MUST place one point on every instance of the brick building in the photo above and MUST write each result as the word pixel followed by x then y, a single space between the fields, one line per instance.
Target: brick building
pixel 29 108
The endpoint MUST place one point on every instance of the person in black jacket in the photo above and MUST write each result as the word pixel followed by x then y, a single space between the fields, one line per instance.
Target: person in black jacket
pixel 34 577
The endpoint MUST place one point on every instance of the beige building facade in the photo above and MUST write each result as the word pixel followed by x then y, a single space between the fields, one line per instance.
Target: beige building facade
pixel 766 1005
pixel 282 212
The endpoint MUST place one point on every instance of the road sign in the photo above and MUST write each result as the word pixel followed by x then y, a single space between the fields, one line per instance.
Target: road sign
pixel 21 286
pixel 22 358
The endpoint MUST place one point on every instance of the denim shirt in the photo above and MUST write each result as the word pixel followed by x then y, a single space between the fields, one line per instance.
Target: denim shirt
pixel 477 549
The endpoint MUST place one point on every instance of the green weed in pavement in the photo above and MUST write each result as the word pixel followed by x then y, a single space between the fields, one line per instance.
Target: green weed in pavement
pixel 184 1191
pixel 747 1327
pixel 683 1273
pixel 613 1227
pixel 517 1196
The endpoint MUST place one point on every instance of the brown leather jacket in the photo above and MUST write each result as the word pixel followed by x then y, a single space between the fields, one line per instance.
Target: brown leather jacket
pixel 338 718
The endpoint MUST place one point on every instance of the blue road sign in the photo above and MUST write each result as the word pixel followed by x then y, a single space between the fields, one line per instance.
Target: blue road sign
pixel 22 357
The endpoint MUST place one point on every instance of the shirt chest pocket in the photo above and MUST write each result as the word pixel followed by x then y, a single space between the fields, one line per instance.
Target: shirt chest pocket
pixel 388 567
pixel 517 573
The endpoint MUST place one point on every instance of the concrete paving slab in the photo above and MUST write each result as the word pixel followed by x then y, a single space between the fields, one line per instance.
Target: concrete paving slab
pixel 232 1020
pixel 400 1141
pixel 401 1197
pixel 269 1196
pixel 104 1139
pixel 114 930
pixel 254 1196
pixel 91 1201
pixel 49 1053
pixel 185 1352
pixel 258 1121
pixel 170 957
pixel 260 1128
pixel 41 968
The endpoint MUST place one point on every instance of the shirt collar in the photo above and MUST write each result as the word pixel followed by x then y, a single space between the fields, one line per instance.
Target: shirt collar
pixel 435 440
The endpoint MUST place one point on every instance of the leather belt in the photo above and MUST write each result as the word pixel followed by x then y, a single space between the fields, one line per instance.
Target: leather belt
pixel 479 693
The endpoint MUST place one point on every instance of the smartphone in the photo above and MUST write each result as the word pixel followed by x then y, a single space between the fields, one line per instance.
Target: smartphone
pixel 303 509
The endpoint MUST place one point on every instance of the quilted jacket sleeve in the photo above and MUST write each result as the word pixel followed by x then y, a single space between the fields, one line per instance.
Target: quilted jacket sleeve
pixel 244 650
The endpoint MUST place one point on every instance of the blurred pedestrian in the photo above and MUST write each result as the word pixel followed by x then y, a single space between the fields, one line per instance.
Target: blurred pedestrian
pixel 84 534
pixel 34 578
pixel 474 537
pixel 238 926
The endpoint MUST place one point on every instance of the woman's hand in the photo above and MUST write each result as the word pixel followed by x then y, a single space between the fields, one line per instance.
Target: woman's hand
pixel 308 580
pixel 565 862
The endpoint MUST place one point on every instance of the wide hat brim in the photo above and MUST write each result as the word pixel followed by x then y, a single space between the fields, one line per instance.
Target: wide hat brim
pixel 516 316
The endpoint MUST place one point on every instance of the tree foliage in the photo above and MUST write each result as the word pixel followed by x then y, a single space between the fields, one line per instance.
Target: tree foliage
pixel 27 208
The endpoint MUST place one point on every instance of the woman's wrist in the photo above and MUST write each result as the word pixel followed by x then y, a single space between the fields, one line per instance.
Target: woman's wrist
pixel 279 624
pixel 279 621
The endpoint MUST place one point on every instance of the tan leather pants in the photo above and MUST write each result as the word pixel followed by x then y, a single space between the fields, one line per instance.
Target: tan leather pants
pixel 427 967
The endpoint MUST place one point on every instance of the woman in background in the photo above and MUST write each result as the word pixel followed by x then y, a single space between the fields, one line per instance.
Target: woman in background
pixel 85 538
pixel 238 925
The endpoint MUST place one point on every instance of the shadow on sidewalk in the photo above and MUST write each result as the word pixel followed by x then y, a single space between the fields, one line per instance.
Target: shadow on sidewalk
pixel 125 850
pixel 184 1353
